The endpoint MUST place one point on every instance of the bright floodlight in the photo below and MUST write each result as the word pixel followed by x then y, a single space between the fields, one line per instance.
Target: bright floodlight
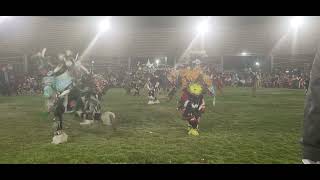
pixel 203 27
pixel 296 22
pixel 157 61
pixel 257 64
pixel 4 18
pixel 244 54
pixel 104 25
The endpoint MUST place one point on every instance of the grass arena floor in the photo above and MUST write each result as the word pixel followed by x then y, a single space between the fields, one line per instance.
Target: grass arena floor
pixel 240 129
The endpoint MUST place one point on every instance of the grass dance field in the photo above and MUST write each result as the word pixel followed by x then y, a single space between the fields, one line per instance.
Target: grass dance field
pixel 239 129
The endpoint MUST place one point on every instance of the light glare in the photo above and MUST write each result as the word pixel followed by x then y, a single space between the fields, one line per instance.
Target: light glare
pixel 296 22
pixel 203 27
pixel 244 54
pixel 4 18
pixel 104 25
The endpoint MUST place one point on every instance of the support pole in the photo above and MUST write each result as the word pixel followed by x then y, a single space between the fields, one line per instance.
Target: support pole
pixel 129 63
pixel 271 63
pixel 25 63
pixel 221 63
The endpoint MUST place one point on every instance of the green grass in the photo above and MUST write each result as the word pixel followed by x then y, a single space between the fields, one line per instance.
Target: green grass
pixel 240 129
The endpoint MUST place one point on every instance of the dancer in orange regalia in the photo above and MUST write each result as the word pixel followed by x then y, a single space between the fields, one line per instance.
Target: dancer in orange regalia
pixel 195 84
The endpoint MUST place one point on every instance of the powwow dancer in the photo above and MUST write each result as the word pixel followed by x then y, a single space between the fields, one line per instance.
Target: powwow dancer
pixel 217 81
pixel 152 86
pixel 65 77
pixel 192 103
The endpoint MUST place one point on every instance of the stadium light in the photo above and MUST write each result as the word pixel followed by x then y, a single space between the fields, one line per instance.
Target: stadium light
pixel 203 27
pixel 296 22
pixel 157 61
pixel 4 18
pixel 104 25
pixel 257 64
pixel 244 53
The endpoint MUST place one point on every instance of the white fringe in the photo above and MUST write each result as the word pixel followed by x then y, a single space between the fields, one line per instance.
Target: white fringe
pixel 107 118
pixel 58 139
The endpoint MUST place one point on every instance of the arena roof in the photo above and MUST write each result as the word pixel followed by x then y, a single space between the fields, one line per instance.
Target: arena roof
pixel 142 36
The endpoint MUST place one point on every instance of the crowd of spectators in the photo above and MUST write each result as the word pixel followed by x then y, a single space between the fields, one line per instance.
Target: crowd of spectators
pixel 267 80
pixel 14 84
